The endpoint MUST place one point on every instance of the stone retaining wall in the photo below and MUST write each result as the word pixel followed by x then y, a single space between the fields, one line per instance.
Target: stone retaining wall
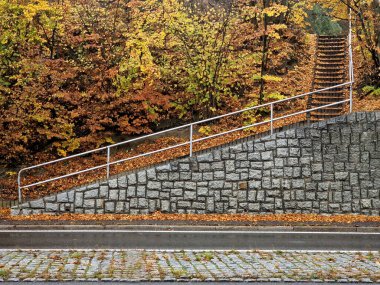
pixel 331 167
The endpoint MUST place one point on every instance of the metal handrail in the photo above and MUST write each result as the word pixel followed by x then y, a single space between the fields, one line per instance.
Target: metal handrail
pixel 191 126
pixel 351 60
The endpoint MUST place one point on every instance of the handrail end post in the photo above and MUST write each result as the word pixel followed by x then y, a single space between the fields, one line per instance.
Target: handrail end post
pixel 19 187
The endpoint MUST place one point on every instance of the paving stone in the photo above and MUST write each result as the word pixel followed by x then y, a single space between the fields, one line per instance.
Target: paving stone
pixel 257 266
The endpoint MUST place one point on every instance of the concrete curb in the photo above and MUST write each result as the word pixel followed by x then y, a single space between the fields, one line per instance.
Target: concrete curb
pixel 192 228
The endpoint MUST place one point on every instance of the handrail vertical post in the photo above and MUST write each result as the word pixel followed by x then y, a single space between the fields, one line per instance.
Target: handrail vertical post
pixel 108 161
pixel 19 187
pixel 271 118
pixel 351 98
pixel 191 140
pixel 351 62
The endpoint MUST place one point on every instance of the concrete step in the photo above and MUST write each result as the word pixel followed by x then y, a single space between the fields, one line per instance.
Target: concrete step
pixel 321 85
pixel 333 61
pixel 329 110
pixel 327 100
pixel 325 115
pixel 330 65
pixel 331 77
pixel 328 47
pixel 331 51
pixel 331 56
pixel 326 38
pixel 332 69
pixel 337 107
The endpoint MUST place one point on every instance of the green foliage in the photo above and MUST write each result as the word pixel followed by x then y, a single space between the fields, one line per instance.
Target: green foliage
pixel 371 90
pixel 274 96
pixel 321 23
pixel 267 78
pixel 4 274
pixel 205 130
pixel 250 117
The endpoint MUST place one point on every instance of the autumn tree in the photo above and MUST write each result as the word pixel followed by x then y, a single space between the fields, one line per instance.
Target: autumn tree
pixel 81 74
pixel 366 19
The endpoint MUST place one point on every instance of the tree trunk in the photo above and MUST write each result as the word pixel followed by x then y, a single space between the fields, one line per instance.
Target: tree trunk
pixel 264 57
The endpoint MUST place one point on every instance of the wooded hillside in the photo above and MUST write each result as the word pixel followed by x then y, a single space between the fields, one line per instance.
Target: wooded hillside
pixel 80 74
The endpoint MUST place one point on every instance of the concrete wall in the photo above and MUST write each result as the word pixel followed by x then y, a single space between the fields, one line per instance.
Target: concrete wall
pixel 330 167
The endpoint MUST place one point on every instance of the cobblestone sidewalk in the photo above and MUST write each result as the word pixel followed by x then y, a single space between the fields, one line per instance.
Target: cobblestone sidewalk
pixel 137 265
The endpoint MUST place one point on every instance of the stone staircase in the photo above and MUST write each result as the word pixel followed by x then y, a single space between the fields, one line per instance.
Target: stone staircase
pixel 330 70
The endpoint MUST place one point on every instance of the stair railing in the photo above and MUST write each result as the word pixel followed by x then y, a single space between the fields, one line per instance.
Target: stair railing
pixel 310 97
pixel 191 129
pixel 351 61
pixel 191 137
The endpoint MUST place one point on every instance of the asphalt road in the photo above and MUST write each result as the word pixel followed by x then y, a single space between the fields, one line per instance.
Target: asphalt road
pixel 196 239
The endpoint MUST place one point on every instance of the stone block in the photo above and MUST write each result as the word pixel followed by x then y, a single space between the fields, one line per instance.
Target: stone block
pixel 282 152
pixel 270 145
pixel 153 194
pixel 89 203
pixel 254 156
pixel 267 155
pixel 51 207
pixel 208 176
pixel 163 168
pixel 162 176
pixel 190 195
pixel 123 194
pixel 190 185
pixel 91 194
pixel 143 203
pixel 78 199
pixel 99 203
pixel 218 175
pixel 62 197
pixel 93 186
pixel 341 175
pixel 109 207
pixel 70 196
pixel 103 192
pixel 232 177
pixel 165 206
pixel 199 206
pixel 141 177
pixel 151 174
pixel 122 181
pixel 153 185
pixel 202 191
pixel 119 207
pixel 114 194
pixel 183 204
pixel 185 176
pixel 37 204
pixel 52 198
pixel 207 157
pixel 112 183
pixel 216 185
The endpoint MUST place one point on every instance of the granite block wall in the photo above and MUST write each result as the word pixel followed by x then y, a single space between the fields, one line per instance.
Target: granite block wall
pixel 331 167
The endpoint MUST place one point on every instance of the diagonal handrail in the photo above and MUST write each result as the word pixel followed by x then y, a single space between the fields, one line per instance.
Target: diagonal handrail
pixel 190 142
pixel 191 126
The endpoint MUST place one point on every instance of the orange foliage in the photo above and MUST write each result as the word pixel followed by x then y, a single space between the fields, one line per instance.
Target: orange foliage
pixel 157 216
